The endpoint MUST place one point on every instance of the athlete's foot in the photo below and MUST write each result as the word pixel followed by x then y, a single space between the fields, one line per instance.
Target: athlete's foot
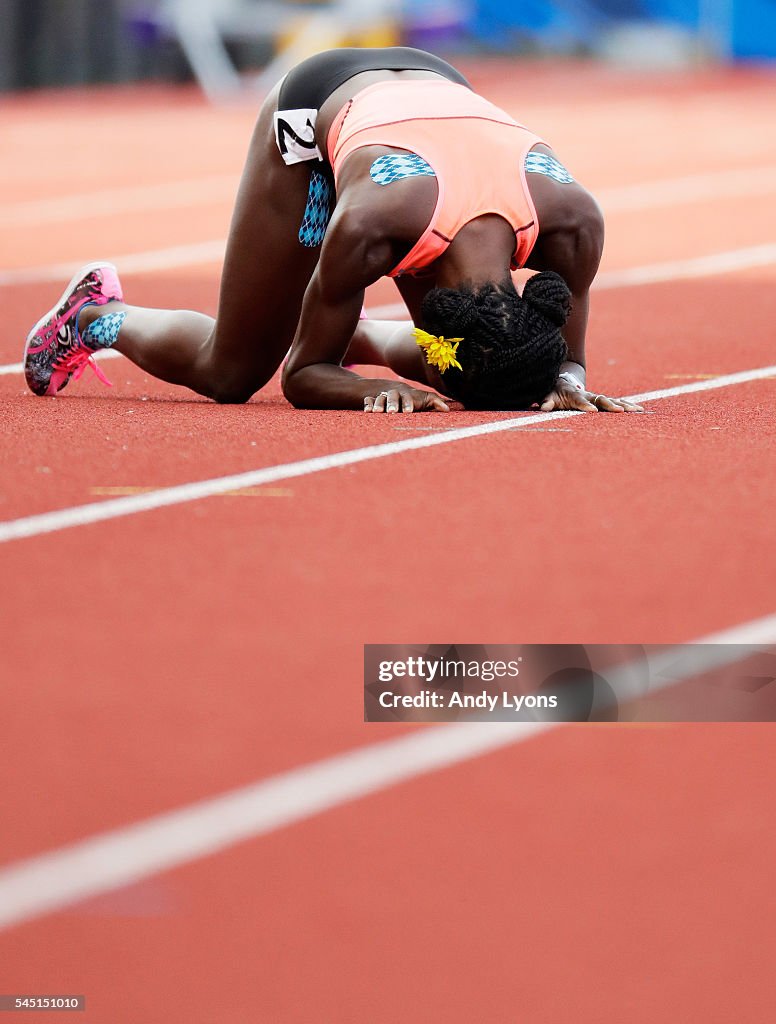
pixel 55 350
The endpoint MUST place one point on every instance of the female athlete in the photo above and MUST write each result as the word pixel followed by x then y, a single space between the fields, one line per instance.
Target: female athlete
pixel 367 163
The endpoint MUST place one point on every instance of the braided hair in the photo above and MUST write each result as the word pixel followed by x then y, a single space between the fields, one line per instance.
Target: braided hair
pixel 512 347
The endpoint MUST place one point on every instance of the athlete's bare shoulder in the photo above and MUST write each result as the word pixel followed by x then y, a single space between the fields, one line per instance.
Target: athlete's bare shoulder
pixel 399 211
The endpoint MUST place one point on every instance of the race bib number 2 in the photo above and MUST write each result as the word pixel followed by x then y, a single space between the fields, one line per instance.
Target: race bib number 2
pixel 295 135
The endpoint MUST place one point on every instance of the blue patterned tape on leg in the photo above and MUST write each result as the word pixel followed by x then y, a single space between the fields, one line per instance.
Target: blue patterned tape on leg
pixel 317 212
pixel 104 331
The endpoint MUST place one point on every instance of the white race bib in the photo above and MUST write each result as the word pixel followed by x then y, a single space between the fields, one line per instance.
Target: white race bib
pixel 295 135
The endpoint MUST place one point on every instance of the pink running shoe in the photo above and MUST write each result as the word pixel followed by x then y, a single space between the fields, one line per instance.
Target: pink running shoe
pixel 54 351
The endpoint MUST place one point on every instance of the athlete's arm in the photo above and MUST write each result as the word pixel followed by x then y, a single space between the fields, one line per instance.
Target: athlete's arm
pixel 574 251
pixel 354 255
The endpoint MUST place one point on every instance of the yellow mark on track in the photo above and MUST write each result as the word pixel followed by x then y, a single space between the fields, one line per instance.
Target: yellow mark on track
pixel 262 492
pixel 692 376
pixel 243 492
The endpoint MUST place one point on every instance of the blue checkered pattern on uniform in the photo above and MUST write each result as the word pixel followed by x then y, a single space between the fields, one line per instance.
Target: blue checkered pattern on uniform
pixel 394 166
pixel 317 212
pixel 543 163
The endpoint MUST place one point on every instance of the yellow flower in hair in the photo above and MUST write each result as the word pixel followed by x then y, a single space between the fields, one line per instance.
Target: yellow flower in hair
pixel 440 352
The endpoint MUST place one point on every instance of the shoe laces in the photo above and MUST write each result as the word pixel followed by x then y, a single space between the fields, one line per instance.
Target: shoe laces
pixel 76 360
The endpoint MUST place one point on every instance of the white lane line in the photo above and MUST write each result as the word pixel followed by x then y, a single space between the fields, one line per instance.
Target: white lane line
pixel 202 253
pixel 651 273
pixel 117 201
pixel 114 202
pixel 194 255
pixel 52 881
pixel 695 188
pixel 700 266
pixel 97 512
pixel 10 368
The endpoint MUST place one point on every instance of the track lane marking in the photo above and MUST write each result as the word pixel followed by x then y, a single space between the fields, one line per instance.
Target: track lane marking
pixel 164 497
pixel 245 492
pixel 697 266
pixel 721 184
pixel 172 195
pixel 52 881
pixel 202 253
pixel 7 369
pixel 692 188
pixel 651 273
pixel 192 255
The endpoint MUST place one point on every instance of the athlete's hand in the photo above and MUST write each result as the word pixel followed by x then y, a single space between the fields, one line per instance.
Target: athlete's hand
pixel 403 398
pixel 566 396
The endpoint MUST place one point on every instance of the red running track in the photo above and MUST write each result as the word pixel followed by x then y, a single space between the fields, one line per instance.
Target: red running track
pixel 591 874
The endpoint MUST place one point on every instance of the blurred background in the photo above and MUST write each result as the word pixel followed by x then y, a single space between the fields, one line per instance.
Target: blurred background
pixel 224 44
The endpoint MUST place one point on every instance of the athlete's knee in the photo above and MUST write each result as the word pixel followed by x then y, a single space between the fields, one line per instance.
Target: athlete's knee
pixel 233 388
pixel 227 385
pixel 226 381
pixel 230 394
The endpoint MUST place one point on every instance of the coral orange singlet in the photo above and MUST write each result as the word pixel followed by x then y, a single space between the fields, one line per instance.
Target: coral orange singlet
pixel 476 150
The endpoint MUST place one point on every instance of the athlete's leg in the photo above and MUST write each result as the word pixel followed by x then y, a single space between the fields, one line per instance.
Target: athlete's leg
pixel 266 271
pixel 391 343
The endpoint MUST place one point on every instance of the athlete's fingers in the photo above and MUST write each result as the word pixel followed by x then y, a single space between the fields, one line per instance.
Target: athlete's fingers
pixel 606 404
pixel 550 403
pixel 433 403
pixel 578 401
pixel 407 403
pixel 368 403
pixel 623 405
pixel 379 402
pixel 392 401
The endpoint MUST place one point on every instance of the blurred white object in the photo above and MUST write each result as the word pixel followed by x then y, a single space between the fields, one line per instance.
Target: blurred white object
pixel 202 28
pixel 649 46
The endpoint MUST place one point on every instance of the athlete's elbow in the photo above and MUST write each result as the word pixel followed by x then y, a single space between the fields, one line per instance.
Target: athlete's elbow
pixel 294 389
